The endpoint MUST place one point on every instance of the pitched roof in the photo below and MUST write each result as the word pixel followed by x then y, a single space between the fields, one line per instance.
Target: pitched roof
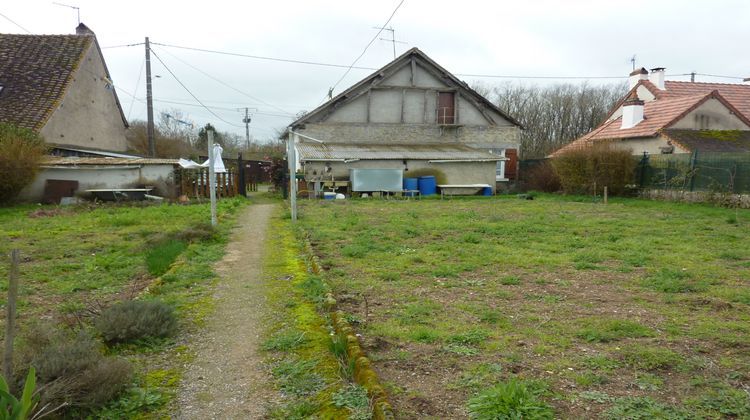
pixel 396 63
pixel 422 151
pixel 35 72
pixel 711 140
pixel 670 105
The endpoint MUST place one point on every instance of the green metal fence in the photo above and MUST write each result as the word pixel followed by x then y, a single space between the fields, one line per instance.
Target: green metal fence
pixel 716 172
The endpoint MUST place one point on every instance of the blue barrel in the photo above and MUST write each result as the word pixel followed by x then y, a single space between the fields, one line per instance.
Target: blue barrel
pixel 411 184
pixel 487 191
pixel 427 185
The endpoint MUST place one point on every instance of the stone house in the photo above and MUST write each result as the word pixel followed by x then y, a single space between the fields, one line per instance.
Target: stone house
pixel 60 87
pixel 661 116
pixel 412 115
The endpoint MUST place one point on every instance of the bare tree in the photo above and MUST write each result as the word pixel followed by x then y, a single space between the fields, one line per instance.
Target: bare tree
pixel 556 114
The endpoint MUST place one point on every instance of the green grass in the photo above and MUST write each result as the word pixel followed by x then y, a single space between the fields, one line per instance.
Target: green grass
pixel 160 257
pixel 559 289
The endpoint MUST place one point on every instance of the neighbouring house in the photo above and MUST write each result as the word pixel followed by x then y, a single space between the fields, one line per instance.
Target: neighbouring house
pixel 659 116
pixel 410 115
pixel 59 86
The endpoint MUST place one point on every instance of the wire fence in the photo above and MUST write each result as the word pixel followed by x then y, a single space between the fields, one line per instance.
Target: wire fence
pixel 708 172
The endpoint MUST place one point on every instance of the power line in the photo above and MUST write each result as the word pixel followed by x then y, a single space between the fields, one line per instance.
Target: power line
pixel 366 47
pixel 137 85
pixel 721 77
pixel 123 45
pixel 191 93
pixel 228 85
pixel 258 57
pixel 14 22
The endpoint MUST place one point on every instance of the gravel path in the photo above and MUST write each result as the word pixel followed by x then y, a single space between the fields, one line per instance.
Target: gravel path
pixel 227 379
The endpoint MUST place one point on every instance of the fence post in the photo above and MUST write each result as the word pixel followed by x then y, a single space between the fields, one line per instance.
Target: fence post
pixel 10 316
pixel 642 175
pixel 693 161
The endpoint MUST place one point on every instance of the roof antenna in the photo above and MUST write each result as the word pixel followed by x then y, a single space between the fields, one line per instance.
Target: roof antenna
pixel 393 37
pixel 78 9
pixel 632 60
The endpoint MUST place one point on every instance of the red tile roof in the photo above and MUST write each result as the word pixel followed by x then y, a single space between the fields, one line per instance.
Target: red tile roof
pixel 670 104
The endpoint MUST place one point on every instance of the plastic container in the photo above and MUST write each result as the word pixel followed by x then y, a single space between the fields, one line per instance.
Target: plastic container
pixel 487 191
pixel 411 184
pixel 329 195
pixel 427 185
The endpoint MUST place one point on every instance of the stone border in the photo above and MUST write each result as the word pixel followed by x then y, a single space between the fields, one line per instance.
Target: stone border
pixel 364 374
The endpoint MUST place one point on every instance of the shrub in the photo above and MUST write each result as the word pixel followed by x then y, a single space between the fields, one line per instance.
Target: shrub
pixel 21 150
pixel 136 320
pixel 597 165
pixel 542 177
pixel 513 399
pixel 71 369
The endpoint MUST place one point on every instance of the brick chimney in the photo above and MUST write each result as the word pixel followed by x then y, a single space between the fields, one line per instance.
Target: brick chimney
pixel 636 76
pixel 657 77
pixel 82 29
pixel 632 111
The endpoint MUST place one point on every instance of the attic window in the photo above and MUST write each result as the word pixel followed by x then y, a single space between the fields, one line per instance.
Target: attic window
pixel 446 108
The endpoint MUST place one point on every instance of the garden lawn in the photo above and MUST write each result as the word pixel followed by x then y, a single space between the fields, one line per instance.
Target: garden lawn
pixel 636 308
pixel 77 260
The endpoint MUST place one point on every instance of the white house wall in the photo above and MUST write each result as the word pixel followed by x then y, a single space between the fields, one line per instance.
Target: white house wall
pixel 711 115
pixel 88 115
pixel 91 178
pixel 649 145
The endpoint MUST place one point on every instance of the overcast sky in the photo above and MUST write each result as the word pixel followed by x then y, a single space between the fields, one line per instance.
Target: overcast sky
pixel 529 38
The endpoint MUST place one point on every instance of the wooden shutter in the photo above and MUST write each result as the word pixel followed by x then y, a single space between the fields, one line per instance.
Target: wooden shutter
pixel 511 165
pixel 446 108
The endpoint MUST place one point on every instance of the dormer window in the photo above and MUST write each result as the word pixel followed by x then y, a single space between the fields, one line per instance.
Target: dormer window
pixel 446 108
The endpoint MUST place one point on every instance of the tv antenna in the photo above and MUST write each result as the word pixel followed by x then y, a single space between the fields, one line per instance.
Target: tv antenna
pixel 393 37
pixel 632 61
pixel 77 9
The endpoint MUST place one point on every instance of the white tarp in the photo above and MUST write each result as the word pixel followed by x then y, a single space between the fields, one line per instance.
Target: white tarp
pixel 218 163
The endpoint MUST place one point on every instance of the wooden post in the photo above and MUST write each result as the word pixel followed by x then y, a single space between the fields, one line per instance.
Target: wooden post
pixel 605 195
pixel 10 316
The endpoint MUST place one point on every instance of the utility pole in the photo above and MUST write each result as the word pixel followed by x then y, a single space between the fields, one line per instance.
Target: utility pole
pixel 211 175
pixel 149 103
pixel 246 120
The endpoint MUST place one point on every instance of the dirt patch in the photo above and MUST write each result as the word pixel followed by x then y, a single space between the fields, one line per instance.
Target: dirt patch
pixel 227 378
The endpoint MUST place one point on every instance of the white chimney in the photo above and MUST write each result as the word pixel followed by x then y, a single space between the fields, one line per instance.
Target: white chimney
pixel 657 77
pixel 632 111
pixel 636 76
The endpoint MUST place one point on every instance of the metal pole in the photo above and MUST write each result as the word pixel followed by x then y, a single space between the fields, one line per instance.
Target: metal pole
pixel 149 103
pixel 10 316
pixel 292 160
pixel 211 176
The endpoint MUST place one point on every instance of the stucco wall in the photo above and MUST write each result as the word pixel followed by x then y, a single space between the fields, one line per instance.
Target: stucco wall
pixel 455 172
pixel 482 137
pixel 88 115
pixel 105 177
pixel 650 145
pixel 711 115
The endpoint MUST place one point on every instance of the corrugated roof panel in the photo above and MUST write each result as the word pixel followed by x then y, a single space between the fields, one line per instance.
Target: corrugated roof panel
pixel 339 151
pixel 71 161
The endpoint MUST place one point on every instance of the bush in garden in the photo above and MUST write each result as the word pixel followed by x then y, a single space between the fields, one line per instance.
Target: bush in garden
pixel 136 320
pixel 71 368
pixel 542 177
pixel 21 151
pixel 599 165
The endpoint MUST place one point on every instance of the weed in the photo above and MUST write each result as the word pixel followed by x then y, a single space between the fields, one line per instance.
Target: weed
pixel 478 376
pixel 314 288
pixel 510 280
pixel 295 410
pixel 513 399
pixel 723 403
pixel 603 363
pixel 650 358
pixel 284 341
pixel 353 397
pixel 136 320
pixel 669 280
pixel 612 330
pixel 417 313
pixel 161 256
pixel 595 396
pixel 460 349
pixel 637 408
pixel 425 335
pixel 298 377
pixel 587 379
pixel 648 382
pixel 471 337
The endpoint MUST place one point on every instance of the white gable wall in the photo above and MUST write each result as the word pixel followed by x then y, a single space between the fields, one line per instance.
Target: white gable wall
pixel 88 115
pixel 711 115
